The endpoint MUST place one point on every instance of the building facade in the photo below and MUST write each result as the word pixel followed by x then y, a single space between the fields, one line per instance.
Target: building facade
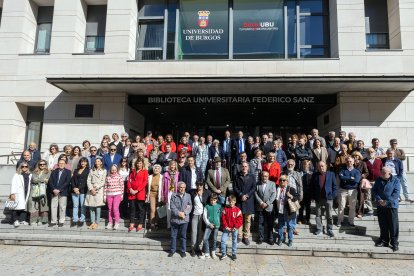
pixel 78 69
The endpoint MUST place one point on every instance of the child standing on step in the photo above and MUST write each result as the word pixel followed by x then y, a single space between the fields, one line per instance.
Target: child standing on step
pixel 232 220
pixel 211 217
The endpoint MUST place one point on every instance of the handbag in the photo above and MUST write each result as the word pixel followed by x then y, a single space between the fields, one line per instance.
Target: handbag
pixel 365 184
pixel 162 211
pixel 294 206
pixel 39 191
pixel 10 204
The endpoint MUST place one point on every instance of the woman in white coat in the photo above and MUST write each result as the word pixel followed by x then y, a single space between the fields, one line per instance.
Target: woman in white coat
pixel 94 197
pixel 20 192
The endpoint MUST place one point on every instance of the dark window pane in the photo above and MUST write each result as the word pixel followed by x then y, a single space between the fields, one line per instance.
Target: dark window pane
pixel 149 55
pixel 377 41
pixel 258 29
pixel 312 6
pixel 45 14
pixel 376 16
pixel 313 52
pixel 292 34
pixel 95 43
pixel 151 34
pixel 172 6
pixel 312 30
pixel 96 20
pixel 151 8
pixel 84 111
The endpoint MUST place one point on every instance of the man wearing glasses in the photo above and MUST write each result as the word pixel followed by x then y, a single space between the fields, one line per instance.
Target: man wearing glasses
pixel 400 154
pixel 295 181
pixel 113 158
pixel 93 150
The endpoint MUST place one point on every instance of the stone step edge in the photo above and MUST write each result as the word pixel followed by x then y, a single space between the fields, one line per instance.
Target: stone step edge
pixel 387 254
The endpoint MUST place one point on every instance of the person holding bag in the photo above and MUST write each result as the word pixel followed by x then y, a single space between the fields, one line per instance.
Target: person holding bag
pixel 286 198
pixel 38 203
pixel 19 193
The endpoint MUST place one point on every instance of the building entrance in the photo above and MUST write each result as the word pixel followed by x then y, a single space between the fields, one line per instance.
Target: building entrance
pixel 210 114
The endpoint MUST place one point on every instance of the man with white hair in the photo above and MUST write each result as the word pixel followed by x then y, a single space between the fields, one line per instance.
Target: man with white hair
pixel 315 135
pixel 330 139
pixel 386 192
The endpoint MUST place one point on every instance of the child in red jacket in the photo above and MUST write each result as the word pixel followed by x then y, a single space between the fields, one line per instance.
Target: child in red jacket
pixel 232 220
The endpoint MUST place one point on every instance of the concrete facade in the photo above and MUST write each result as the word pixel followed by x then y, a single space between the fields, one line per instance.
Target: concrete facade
pixel 23 75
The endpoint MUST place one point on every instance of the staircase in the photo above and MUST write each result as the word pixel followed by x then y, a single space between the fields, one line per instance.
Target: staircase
pixel 357 242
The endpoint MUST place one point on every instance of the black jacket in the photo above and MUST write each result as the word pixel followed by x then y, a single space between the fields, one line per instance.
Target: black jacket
pixel 79 181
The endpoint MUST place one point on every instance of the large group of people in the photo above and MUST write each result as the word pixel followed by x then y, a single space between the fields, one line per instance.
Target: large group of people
pixel 204 185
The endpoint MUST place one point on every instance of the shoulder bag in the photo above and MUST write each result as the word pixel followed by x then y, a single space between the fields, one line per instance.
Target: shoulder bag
pixel 10 204
pixel 294 206
pixel 39 191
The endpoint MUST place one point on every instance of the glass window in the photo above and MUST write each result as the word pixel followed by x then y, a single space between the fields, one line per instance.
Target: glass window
pixel 151 8
pixel 312 6
pixel 292 28
pixel 204 30
pixel 376 24
pixel 95 28
pixel 312 30
pixel 151 35
pixel 44 29
pixel 172 13
pixel 313 52
pixel 258 30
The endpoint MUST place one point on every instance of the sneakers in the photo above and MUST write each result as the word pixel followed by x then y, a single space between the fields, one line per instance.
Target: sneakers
pixel 205 256
pixel 279 242
pixel 16 223
pixel 381 244
pixel 318 233
pixel 223 257
pixel 24 223
pixel 290 243
pixel 213 255
pixel 108 226
pixel 116 226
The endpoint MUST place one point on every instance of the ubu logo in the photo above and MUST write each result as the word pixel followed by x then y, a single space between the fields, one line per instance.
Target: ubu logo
pixel 267 24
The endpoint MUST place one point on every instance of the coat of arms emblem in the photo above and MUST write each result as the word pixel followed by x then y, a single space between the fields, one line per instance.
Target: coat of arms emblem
pixel 203 19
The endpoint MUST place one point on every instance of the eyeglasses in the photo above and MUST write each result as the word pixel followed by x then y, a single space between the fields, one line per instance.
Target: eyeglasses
pixel 283 180
pixel 42 164
pixel 113 149
pixel 291 164
pixel 93 150
pixel 24 166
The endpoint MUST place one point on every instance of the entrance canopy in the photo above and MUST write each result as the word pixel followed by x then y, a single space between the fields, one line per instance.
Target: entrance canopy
pixel 236 86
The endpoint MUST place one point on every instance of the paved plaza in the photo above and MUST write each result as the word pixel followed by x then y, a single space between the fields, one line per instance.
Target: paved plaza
pixel 33 260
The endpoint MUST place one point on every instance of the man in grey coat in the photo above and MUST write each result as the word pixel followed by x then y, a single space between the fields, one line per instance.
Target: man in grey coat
pixel 265 196
pixel 181 207
pixel 295 181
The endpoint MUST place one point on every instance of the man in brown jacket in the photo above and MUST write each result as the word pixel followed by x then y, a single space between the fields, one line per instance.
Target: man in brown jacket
pixel 218 180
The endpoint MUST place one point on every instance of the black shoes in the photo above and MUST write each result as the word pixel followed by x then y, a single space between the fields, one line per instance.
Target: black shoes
pixel 381 244
pixel 330 234
pixel 192 253
pixel 171 254
pixel 259 242
pixel 60 224
pixel 279 242
pixel 183 255
pixel 290 244
pixel 234 257
pixel 271 243
pixel 394 248
pixel 246 241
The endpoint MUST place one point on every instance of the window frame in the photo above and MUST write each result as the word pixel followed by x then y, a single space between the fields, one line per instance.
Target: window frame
pixel 46 51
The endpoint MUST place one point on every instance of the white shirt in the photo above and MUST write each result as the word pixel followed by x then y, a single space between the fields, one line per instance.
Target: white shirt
pixel 193 178
pixel 198 206
pixel 126 152
pixel 112 158
pixel 282 200
pixel 264 187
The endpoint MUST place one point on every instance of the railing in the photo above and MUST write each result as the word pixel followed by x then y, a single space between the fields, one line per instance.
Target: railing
pixel 94 43
pixel 11 159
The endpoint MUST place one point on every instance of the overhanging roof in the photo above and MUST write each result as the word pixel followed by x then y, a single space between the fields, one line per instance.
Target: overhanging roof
pixel 237 85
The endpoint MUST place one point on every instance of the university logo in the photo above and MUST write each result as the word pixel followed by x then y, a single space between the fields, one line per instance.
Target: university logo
pixel 203 19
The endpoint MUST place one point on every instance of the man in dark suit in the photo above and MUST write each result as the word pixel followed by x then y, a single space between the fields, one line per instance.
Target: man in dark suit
pixel 34 153
pixel 27 157
pixel 218 180
pixel 165 158
pixel 113 158
pixel 58 186
pixel 323 191
pixel 244 186
pixel 190 175
pixel 227 150
pixel 266 146
pixel 265 196
pixel 238 146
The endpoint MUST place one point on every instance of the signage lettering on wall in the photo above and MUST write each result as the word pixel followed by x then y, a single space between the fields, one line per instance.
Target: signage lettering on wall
pixel 232 100
pixel 203 33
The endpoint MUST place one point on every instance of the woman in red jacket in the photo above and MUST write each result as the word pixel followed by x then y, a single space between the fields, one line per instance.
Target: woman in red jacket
pixel 273 168
pixel 137 186
pixel 169 140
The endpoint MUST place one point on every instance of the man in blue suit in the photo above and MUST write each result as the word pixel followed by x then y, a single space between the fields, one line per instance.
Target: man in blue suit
pixel 238 146
pixel 393 163
pixel 190 175
pixel 58 186
pixel 323 191
pixel 113 158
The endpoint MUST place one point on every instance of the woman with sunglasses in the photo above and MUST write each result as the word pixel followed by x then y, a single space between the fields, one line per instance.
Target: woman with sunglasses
pixel 38 206
pixel 20 192
pixel 79 189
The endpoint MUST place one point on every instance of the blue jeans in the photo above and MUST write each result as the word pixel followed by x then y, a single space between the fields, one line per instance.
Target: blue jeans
pixel 233 244
pixel 95 214
pixel 286 220
pixel 403 181
pixel 78 200
pixel 206 245
pixel 221 199
pixel 180 229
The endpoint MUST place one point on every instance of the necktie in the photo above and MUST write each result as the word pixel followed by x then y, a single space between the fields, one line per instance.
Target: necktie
pixel 217 179
pixel 240 146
